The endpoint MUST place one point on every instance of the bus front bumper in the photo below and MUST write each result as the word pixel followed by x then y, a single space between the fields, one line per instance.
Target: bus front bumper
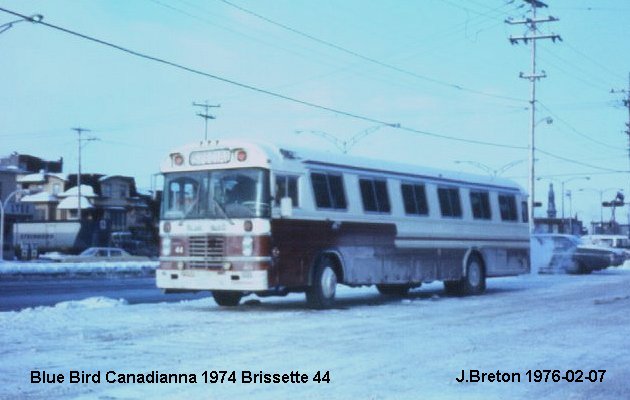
pixel 194 279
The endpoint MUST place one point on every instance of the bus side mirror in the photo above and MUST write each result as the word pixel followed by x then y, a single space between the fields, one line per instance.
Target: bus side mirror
pixel 286 207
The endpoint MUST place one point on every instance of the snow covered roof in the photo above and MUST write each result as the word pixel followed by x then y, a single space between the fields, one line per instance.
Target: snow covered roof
pixel 41 197
pixel 107 177
pixel 10 168
pixel 71 203
pixel 40 177
pixel 32 178
pixel 86 191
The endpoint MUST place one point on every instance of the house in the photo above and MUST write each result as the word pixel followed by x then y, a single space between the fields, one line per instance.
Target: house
pixel 110 207
pixel 46 187
pixel 13 168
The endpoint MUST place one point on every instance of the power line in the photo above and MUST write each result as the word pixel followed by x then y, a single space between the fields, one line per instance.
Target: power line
pixel 264 91
pixel 367 58
pixel 320 60
pixel 594 61
pixel 555 116
pixel 569 160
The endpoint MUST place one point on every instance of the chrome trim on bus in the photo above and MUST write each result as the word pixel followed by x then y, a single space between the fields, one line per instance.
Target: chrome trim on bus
pixel 196 279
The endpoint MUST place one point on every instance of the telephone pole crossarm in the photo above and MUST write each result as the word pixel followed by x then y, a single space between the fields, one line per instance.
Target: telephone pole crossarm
pixel 525 38
pixel 206 116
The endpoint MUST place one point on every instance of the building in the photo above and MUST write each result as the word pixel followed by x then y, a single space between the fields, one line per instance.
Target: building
pixel 112 213
pixel 13 168
pixel 46 188
pixel 552 224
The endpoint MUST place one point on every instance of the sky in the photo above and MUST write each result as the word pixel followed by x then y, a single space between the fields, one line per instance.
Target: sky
pixel 443 69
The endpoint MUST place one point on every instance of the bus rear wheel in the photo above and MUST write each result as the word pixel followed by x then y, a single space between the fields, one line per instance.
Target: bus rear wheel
pixel 321 294
pixel 397 290
pixel 227 298
pixel 473 283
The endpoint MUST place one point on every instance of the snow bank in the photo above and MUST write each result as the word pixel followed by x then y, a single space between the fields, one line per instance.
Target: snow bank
pixel 95 268
pixel 91 303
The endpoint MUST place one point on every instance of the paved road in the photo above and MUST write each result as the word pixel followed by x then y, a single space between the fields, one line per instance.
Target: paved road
pixel 17 293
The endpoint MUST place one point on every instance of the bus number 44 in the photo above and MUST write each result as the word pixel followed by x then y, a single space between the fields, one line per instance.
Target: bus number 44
pixel 319 378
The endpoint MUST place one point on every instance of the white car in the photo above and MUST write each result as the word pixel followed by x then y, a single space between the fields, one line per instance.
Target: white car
pixel 570 254
pixel 619 242
pixel 93 254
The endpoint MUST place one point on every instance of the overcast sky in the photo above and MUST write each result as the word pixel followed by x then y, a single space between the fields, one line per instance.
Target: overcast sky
pixel 440 66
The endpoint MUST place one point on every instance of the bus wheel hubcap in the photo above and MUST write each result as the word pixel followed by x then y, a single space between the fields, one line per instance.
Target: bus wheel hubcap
pixel 474 274
pixel 329 282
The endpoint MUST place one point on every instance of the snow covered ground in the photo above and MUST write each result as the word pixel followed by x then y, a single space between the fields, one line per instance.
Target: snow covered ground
pixel 373 347
pixel 59 268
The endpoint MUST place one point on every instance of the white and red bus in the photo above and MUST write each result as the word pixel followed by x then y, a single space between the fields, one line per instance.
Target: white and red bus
pixel 242 217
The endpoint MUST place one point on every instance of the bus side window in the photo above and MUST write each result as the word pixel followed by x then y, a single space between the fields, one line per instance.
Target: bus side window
pixel 450 205
pixel 507 207
pixel 480 204
pixel 286 186
pixel 328 190
pixel 414 199
pixel 374 195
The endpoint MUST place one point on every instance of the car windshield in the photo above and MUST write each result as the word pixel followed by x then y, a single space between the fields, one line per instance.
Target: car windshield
pixel 234 193
pixel 89 252
pixel 561 242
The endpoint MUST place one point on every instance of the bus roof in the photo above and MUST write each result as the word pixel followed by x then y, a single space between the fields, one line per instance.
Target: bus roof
pixel 285 158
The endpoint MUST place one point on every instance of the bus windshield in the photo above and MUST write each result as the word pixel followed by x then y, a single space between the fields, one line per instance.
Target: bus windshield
pixel 231 193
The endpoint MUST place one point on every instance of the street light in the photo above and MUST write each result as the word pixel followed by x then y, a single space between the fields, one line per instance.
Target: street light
pixel 562 183
pixel 345 145
pixel 489 170
pixel 32 18
pixel 532 163
pixel 601 200
pixel 2 207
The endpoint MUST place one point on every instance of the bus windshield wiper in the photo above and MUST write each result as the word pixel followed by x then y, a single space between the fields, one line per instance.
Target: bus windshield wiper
pixel 225 214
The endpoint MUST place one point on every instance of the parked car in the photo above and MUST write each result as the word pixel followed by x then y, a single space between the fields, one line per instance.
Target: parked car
pixel 619 242
pixel 569 254
pixel 93 254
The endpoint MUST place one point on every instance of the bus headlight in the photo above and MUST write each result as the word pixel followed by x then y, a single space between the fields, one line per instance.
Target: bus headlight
pixel 166 247
pixel 248 246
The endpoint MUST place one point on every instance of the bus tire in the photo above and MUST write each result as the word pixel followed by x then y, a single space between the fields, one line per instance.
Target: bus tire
pixel 227 298
pixel 395 290
pixel 474 283
pixel 475 279
pixel 321 294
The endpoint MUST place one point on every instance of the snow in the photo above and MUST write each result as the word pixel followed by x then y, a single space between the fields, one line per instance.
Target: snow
pixel 71 202
pixel 41 197
pixel 374 347
pixel 86 190
pixel 61 268
pixel 32 178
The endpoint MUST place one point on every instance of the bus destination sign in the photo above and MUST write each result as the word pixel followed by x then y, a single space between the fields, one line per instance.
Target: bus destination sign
pixel 222 156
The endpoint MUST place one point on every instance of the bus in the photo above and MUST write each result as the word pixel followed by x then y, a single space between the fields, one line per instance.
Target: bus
pixel 242 217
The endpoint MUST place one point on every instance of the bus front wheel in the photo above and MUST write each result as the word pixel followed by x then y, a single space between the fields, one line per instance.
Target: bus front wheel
pixel 227 298
pixel 321 294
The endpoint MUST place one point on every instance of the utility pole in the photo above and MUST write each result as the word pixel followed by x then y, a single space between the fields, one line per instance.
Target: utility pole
pixel 80 142
pixel 626 103
pixel 532 35
pixel 206 116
